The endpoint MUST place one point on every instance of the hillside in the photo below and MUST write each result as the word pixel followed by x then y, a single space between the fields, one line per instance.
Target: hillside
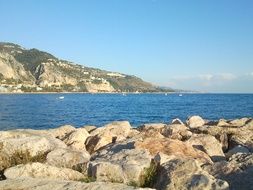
pixel 32 70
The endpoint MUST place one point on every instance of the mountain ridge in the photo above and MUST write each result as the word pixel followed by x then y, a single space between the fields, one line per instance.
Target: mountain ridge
pixel 33 70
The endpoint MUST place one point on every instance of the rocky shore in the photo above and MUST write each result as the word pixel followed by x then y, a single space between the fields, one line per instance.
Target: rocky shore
pixel 196 154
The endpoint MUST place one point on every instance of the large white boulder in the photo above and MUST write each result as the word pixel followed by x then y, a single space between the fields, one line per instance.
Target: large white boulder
pixel 120 163
pixel 34 145
pixel 76 139
pixel 62 131
pixel 39 170
pixel 195 122
pixel 68 158
pixel 102 136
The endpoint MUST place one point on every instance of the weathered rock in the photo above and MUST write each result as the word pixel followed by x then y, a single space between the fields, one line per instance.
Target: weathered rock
pixel 147 134
pixel 223 138
pixel 152 126
pixel 33 144
pixel 62 131
pixel 186 174
pixel 209 145
pixel 69 159
pixel 240 122
pixel 163 158
pixel 172 147
pixel 232 135
pixel 176 131
pixel 120 163
pixel 89 128
pixel 20 133
pixel 237 171
pixel 223 123
pixel 158 130
pixel 195 122
pixel 133 133
pixel 249 124
pixel 237 149
pixel 39 170
pixel 22 146
pixel 177 121
pixel 168 132
pixel 243 138
pixel 236 123
pixel 76 139
pixel 45 184
pixel 102 136
pixel 177 128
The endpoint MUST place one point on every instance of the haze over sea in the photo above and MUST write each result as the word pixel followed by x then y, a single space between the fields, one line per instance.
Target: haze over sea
pixel 41 111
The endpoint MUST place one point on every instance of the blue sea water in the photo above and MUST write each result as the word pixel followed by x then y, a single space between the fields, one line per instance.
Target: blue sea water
pixel 42 111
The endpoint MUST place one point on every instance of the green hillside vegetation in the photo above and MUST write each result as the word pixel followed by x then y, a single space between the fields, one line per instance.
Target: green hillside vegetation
pixel 31 59
pixel 44 68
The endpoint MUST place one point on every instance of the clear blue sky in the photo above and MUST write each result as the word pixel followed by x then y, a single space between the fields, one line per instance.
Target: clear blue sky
pixel 202 45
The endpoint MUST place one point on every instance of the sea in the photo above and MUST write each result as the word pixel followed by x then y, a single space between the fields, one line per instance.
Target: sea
pixel 44 111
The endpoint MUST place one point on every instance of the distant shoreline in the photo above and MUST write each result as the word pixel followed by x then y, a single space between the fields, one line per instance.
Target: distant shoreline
pixel 20 93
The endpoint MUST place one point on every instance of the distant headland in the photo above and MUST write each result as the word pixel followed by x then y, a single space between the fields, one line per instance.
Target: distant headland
pixel 32 70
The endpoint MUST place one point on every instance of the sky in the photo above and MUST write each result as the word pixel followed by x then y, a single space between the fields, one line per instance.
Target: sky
pixel 203 45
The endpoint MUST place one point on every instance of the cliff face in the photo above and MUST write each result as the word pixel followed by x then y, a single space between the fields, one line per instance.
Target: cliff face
pixel 11 69
pixel 34 70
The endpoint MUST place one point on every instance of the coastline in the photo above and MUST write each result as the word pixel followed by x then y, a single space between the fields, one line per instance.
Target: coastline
pixel 10 93
pixel 118 156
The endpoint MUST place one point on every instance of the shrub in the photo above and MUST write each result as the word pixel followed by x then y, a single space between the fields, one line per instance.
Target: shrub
pixel 88 180
pixel 1 76
pixel 19 157
pixel 149 175
pixel 97 81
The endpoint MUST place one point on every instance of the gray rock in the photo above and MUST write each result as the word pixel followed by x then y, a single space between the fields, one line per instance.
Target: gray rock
pixel 243 138
pixel 186 174
pixel 237 171
pixel 209 145
pixel 120 163
pixel 235 150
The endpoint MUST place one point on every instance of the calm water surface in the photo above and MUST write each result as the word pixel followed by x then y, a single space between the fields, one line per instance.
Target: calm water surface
pixel 40 111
